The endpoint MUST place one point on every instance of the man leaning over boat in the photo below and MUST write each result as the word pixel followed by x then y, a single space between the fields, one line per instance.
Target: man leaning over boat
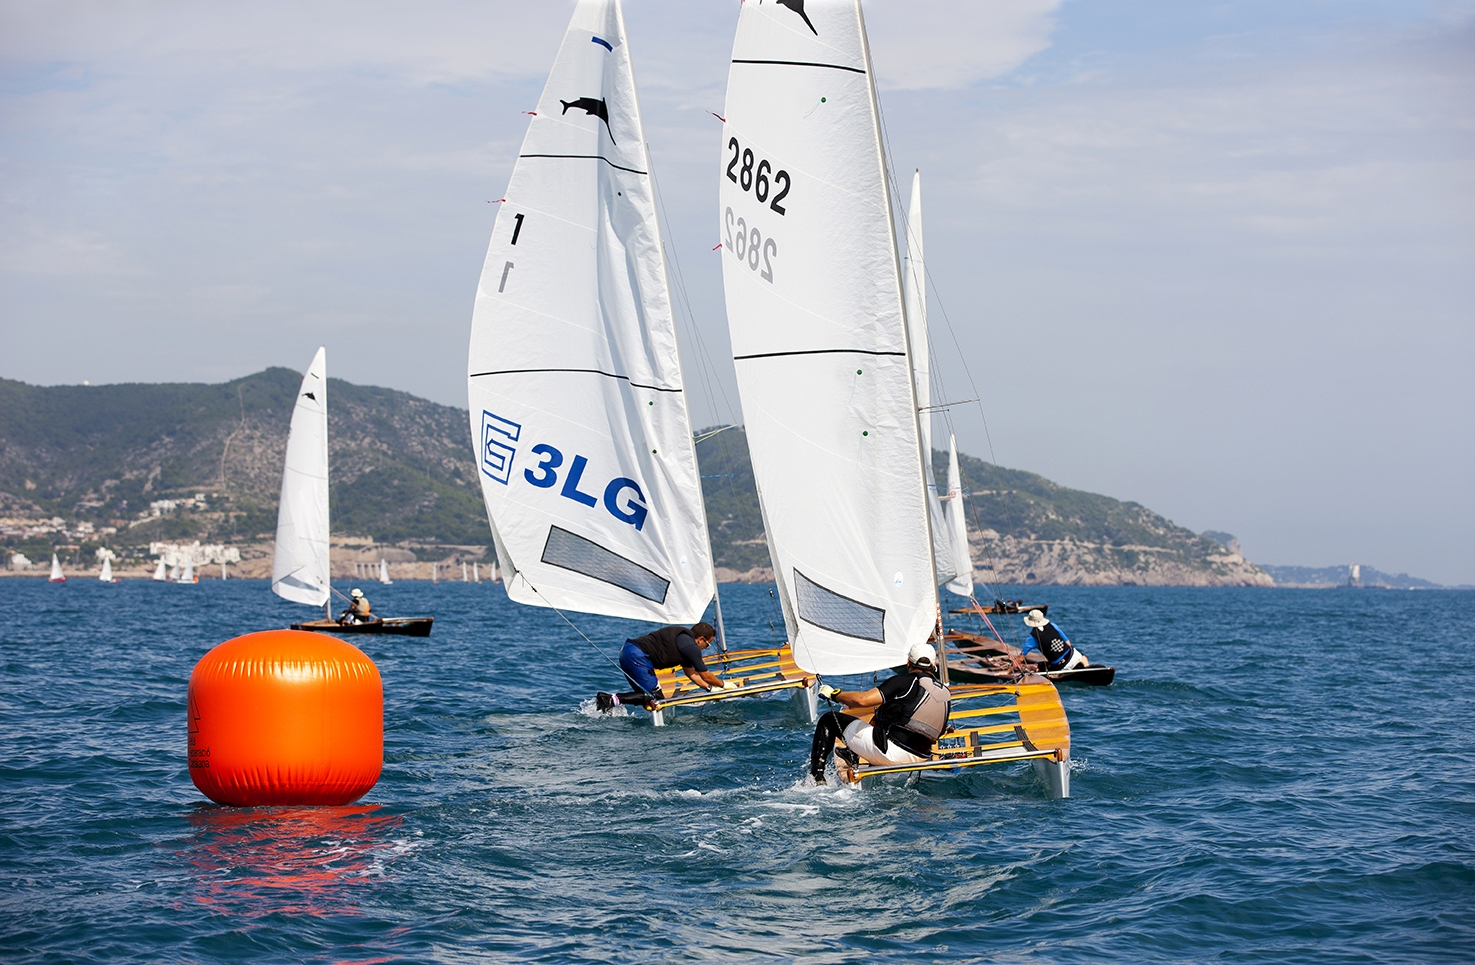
pixel 661 649
pixel 911 713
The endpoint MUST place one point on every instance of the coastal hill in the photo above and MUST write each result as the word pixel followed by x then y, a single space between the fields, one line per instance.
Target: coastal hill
pixel 127 465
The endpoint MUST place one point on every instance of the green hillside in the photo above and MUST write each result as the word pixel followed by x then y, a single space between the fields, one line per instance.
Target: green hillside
pixel 402 471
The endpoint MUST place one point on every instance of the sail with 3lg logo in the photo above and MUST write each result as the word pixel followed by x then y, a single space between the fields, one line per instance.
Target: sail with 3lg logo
pixel 621 496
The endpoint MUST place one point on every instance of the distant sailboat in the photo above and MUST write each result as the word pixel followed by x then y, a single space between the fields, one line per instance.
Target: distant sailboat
pixel 300 570
pixel 56 574
pixel 384 572
pixel 107 571
pixel 223 574
pixel 174 573
pixel 464 577
pixel 188 576
pixel 475 576
pixel 159 575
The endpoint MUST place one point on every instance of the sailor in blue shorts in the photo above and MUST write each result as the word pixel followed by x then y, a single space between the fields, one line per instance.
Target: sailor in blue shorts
pixel 667 647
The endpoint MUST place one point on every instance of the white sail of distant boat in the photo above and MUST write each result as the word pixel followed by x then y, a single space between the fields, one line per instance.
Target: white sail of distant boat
pixel 159 575
pixel 475 576
pixel 106 576
pixel 957 526
pixel 384 572
pixel 223 574
pixel 914 285
pixel 174 572
pixel 56 574
pixel 434 573
pixel 188 576
pixel 578 407
pixel 495 578
pixel 465 576
pixel 299 570
pixel 815 311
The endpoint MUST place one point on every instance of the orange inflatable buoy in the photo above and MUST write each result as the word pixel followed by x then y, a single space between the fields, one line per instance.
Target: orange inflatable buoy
pixel 285 717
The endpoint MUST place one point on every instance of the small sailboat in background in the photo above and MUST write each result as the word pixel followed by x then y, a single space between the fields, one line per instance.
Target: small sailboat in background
pixel 174 573
pixel 160 576
pixel 300 567
pixel 578 405
pixel 223 574
pixel 465 576
pixel 188 576
pixel 56 574
pixel 384 573
pixel 106 576
pixel 475 576
pixel 825 361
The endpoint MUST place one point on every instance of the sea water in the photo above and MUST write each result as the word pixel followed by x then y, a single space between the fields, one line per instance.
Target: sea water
pixel 1275 776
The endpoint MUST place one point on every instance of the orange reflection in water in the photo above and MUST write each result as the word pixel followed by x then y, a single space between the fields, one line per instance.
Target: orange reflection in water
pixel 288 860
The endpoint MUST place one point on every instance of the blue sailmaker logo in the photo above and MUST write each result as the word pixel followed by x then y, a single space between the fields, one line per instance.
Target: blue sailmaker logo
pixel 496 452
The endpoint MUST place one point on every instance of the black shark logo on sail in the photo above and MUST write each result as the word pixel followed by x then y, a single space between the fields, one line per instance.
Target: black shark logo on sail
pixel 594 108
pixel 310 396
pixel 798 7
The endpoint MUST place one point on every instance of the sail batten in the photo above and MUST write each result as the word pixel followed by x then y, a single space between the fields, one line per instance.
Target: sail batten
pixel 299 570
pixel 817 321
pixel 578 410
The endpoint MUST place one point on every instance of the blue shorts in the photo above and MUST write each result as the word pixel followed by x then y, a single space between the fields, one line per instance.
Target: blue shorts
pixel 639 670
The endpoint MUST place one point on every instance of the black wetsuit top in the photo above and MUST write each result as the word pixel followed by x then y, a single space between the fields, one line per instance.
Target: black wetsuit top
pixel 900 696
pixel 1052 644
pixel 671 647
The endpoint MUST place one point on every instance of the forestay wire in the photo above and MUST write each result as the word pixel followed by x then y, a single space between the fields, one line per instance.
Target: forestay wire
pixel 591 643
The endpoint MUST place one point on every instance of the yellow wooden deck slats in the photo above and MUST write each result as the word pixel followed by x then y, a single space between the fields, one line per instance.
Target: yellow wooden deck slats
pixel 1043 732
pixel 755 671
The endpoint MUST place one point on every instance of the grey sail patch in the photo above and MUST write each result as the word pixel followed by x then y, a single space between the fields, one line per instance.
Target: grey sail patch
pixel 840 614
pixel 292 580
pixel 572 552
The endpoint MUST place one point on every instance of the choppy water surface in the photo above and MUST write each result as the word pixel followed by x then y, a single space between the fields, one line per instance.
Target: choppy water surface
pixel 1276 776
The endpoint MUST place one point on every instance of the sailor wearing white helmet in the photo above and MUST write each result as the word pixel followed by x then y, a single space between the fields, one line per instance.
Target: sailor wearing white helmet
pixel 911 713
pixel 1053 645
pixel 358 609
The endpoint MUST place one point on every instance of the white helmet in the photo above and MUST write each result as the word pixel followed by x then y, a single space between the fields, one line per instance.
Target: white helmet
pixel 922 655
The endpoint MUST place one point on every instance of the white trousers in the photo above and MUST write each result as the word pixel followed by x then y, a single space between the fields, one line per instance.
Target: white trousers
pixel 858 739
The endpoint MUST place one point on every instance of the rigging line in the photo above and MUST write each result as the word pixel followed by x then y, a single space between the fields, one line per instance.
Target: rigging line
pixel 952 332
pixel 800 63
pixel 818 351
pixel 586 639
pixel 609 375
pixel 589 157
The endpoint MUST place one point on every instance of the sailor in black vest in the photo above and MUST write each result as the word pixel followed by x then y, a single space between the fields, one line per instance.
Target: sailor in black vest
pixel 667 647
pixel 911 713
pixel 1046 637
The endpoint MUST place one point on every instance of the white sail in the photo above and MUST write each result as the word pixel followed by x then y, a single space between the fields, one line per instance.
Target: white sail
pixel 957 526
pixel 189 571
pixel 299 570
pixel 577 402
pixel 814 306
pixel 465 576
pixel 914 284
pixel 159 575
pixel 56 574
pixel 475 574
pixel 106 576
pixel 174 573
pixel 223 574
pixel 384 573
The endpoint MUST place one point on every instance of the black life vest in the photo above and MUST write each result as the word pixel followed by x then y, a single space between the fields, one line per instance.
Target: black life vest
pixel 660 646
pixel 1053 646
pixel 921 713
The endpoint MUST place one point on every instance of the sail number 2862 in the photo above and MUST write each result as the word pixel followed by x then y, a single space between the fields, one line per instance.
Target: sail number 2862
pixel 750 247
pixel 757 175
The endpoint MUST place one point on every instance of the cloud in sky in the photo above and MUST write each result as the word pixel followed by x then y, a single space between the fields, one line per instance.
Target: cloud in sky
pixel 1211 257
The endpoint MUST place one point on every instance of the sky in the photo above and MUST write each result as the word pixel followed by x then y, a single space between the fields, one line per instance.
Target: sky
pixel 1215 258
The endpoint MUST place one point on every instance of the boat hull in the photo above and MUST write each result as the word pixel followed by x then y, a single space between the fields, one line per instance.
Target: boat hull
pixel 402 626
